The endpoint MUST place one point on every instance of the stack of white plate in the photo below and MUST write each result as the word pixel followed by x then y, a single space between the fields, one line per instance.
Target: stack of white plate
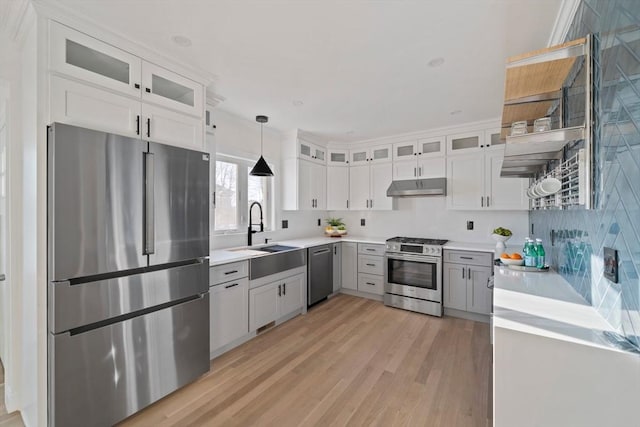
pixel 544 188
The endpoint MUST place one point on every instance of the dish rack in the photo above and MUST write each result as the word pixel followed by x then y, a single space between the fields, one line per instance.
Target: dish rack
pixel 572 174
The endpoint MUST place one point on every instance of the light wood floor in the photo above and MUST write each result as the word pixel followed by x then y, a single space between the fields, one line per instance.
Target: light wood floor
pixel 7 420
pixel 349 361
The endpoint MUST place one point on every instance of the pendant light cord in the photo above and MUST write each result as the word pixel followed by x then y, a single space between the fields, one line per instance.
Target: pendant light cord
pixel 261 141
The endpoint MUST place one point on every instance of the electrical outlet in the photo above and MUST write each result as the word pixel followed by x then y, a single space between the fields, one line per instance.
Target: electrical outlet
pixel 469 225
pixel 611 264
pixel 285 223
pixel 362 222
pixel 319 222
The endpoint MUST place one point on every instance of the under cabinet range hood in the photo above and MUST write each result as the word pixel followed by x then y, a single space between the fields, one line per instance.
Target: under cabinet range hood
pixel 418 187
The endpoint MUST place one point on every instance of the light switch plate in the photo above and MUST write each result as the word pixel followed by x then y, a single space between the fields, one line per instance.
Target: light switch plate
pixel 285 223
pixel 469 225
pixel 362 222
pixel 611 264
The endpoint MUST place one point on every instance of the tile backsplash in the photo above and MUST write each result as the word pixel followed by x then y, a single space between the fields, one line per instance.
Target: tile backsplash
pixel 575 239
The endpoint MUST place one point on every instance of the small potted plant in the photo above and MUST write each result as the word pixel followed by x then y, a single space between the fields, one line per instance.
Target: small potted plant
pixel 335 227
pixel 501 235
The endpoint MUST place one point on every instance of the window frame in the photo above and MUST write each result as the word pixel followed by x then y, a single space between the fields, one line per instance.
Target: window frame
pixel 242 196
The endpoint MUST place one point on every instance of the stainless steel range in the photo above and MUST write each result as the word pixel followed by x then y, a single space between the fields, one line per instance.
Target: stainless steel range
pixel 413 274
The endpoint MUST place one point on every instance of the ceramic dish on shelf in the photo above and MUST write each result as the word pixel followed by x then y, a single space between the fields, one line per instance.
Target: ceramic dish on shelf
pixel 548 186
pixel 509 261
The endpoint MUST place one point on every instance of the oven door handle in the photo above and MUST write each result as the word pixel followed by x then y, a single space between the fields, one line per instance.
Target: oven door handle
pixel 423 259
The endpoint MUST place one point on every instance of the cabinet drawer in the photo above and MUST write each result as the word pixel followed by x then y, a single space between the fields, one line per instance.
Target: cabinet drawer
pixel 371 283
pixel 469 258
pixel 370 249
pixel 226 272
pixel 370 264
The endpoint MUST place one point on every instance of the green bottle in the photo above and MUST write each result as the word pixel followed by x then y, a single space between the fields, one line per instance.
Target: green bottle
pixel 540 255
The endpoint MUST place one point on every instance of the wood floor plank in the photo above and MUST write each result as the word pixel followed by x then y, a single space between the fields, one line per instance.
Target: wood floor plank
pixel 349 361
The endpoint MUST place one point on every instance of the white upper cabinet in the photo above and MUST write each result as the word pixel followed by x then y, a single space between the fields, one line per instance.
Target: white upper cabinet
pixel 424 158
pixel 492 139
pixel 377 154
pixel 465 142
pixel 431 147
pixel 474 183
pixel 81 56
pixel 337 188
pixel 168 89
pixel 87 106
pixel 78 55
pixel 368 187
pixel 405 150
pixel 338 157
pixel 358 157
pixel 312 152
pixel 380 154
pixel 503 193
pixel 168 127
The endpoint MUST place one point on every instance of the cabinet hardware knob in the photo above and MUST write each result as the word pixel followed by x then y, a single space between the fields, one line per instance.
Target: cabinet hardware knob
pixel 231 286
pixel 138 124
pixel 284 289
pixel 279 290
pixel 147 90
pixel 148 128
pixel 231 272
pixel 369 283
pixel 136 85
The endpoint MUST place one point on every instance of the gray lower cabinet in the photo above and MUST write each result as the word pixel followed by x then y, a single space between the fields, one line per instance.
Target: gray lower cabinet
pixel 270 302
pixel 465 281
pixel 229 308
pixel 349 265
pixel 337 266
pixel 228 304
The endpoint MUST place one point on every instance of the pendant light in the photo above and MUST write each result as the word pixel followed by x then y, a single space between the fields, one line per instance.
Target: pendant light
pixel 261 168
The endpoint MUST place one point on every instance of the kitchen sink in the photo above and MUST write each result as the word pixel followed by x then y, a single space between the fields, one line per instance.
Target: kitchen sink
pixel 275 248
pixel 262 266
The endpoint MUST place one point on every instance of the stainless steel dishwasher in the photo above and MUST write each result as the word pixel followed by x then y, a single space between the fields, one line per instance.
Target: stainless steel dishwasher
pixel 319 273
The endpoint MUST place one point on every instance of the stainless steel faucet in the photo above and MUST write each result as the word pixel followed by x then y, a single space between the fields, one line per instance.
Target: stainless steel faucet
pixel 251 231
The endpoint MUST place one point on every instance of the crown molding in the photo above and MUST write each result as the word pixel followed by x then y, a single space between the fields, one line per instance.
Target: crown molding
pixel 214 99
pixel 66 15
pixel 427 133
pixel 564 19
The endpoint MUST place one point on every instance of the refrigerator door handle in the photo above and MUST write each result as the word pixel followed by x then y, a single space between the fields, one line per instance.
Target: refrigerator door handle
pixel 149 217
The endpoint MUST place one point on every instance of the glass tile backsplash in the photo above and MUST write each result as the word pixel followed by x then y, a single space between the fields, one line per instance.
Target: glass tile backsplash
pixel 575 239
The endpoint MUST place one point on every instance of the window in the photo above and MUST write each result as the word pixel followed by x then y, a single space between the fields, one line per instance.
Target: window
pixel 235 190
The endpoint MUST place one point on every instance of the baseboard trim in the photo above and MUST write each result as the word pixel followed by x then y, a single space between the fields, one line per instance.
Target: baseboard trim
pixel 362 294
pixel 452 312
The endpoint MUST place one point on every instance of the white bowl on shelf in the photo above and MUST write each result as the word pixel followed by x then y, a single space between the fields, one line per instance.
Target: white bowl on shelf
pixel 509 261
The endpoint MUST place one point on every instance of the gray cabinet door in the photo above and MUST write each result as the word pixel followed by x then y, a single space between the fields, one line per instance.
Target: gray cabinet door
pixel 95 197
pixel 455 286
pixel 350 265
pixel 478 295
pixel 177 204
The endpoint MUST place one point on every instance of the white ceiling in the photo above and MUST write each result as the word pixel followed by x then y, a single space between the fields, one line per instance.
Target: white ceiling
pixel 359 66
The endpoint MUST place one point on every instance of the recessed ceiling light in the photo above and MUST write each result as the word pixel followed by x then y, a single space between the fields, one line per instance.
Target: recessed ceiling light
pixel 436 62
pixel 454 112
pixel 297 102
pixel 181 41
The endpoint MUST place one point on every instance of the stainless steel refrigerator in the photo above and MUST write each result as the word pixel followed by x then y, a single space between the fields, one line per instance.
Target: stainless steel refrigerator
pixel 128 303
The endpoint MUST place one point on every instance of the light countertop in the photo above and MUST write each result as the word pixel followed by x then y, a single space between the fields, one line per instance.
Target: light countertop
pixel 464 246
pixel 224 256
pixel 545 304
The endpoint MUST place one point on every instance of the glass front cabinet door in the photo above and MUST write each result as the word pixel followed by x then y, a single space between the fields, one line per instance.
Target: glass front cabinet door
pixel 81 56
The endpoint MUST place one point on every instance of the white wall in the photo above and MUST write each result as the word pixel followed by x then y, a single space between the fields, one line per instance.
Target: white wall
pixel 25 367
pixel 429 217
pixel 239 137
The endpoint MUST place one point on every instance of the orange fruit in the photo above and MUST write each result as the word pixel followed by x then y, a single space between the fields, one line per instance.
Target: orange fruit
pixel 516 255
pixel 505 255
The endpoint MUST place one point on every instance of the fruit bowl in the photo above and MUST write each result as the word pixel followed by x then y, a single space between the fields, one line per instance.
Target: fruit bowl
pixel 509 261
